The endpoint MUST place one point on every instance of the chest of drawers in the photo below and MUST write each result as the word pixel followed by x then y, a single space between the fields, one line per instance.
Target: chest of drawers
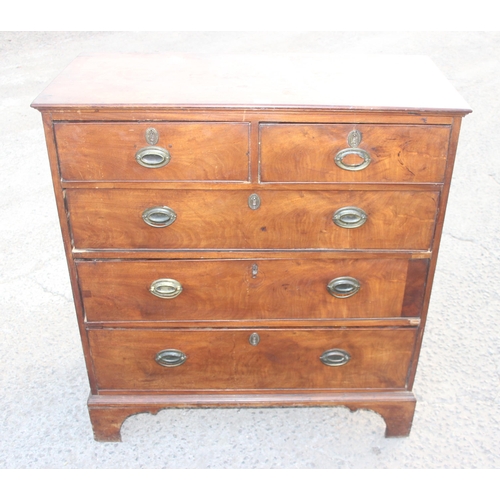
pixel 250 230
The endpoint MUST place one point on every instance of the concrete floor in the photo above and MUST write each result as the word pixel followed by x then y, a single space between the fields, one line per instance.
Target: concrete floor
pixel 43 384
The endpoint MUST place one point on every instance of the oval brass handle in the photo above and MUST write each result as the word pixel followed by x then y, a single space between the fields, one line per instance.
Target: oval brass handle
pixel 335 357
pixel 365 159
pixel 159 216
pixel 152 157
pixel 170 358
pixel 343 287
pixel 166 288
pixel 349 217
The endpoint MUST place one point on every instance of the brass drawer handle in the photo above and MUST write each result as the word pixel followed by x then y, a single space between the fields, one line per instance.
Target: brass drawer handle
pixel 343 287
pixel 152 157
pixel 353 139
pixel 365 157
pixel 349 217
pixel 166 288
pixel 159 216
pixel 170 358
pixel 335 357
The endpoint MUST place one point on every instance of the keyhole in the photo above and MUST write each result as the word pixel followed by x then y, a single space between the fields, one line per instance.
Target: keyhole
pixel 255 270
pixel 254 339
pixel 254 201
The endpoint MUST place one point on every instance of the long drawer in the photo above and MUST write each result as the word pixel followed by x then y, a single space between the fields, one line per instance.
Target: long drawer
pixel 184 219
pixel 378 153
pixel 251 289
pixel 278 359
pixel 206 151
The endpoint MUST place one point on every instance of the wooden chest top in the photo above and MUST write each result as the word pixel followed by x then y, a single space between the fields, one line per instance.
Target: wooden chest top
pixel 252 80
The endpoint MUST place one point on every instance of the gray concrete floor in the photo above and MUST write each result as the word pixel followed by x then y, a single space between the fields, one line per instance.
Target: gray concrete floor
pixel 43 385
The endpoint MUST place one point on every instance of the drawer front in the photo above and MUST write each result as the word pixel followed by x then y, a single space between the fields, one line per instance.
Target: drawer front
pixel 197 151
pixel 396 153
pixel 248 289
pixel 282 359
pixel 183 219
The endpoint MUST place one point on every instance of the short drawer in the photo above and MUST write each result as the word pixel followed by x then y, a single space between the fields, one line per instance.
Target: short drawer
pixel 279 359
pixel 379 153
pixel 190 219
pixel 166 290
pixel 204 151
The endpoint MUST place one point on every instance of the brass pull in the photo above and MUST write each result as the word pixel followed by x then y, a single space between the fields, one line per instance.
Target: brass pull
pixel 166 288
pixel 343 287
pixel 353 139
pixel 170 358
pixel 349 217
pixel 159 216
pixel 152 157
pixel 335 357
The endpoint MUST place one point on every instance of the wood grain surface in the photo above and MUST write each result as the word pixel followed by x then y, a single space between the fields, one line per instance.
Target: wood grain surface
pixel 199 151
pixel 306 153
pixel 283 359
pixel 112 219
pixel 226 289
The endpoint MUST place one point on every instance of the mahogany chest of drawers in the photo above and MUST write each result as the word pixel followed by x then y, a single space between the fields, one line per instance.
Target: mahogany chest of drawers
pixel 250 230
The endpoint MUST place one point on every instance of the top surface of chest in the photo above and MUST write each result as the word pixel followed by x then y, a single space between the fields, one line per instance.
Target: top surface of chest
pixel 382 83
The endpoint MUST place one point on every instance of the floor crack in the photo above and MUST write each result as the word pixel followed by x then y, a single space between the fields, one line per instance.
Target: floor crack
pixel 494 178
pixel 51 292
